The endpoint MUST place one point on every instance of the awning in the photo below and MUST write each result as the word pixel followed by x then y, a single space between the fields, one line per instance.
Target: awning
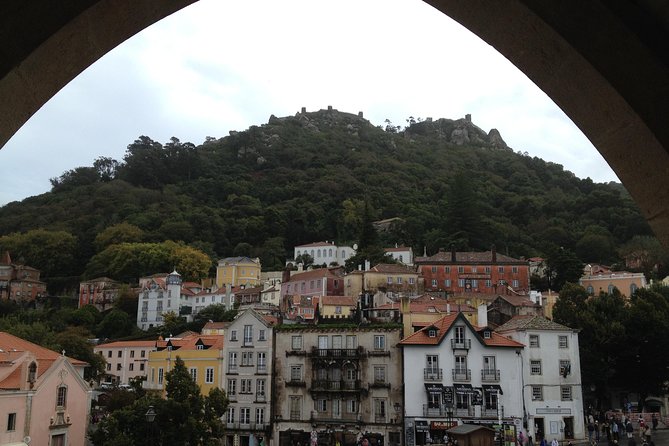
pixel 464 389
pixel 434 388
pixel 492 388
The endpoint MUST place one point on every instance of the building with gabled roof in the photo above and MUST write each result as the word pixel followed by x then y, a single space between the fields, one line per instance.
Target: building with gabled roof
pixel 202 355
pixel 504 307
pixel 455 373
pixel 160 295
pixel 43 395
pixel 483 272
pixel 238 271
pixel 125 360
pixel 552 393
pixel 402 254
pixel 421 311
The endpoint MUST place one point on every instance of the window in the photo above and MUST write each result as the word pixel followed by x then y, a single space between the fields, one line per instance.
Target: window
pixel 514 269
pixel 459 334
pixel 534 341
pixel 61 396
pixel 321 405
pixel 500 269
pixel 232 387
pixel 193 373
pixel 322 342
pixel 160 375
pixel 487 270
pixel 260 415
pixel 399 280
pixel 491 399
pixel 460 365
pixel 118 367
pixel 488 283
pixel 447 283
pixel 379 374
pixel 261 335
pixel 389 280
pixel 262 361
pixel 245 386
pixel 108 367
pixel 434 283
pixel 232 362
pixel 142 354
pixel 411 280
pixel 432 363
pixel 535 367
pixel 537 393
pixel 120 354
pixel 11 421
pixel 131 367
pixel 380 408
pixel 489 363
pixel 248 334
pixel 351 374
pixel 461 283
pixel 132 353
pixel 141 367
pixel 231 415
pixel 233 335
pixel 209 375
pixel 379 342
pixel 245 415
pixel 352 406
pixel 247 358
pixel 296 372
pixel 461 269
pixel 515 283
pixel 351 341
pixel 295 407
pixel 447 269
pixel 296 343
pixel 434 269
pixel 563 342
pixel 432 333
pixel 337 310
pixel 109 354
pixel 260 386
pixel 565 367
pixel 565 393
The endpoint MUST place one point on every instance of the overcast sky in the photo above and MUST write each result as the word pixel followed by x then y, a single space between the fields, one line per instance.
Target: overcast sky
pixel 218 66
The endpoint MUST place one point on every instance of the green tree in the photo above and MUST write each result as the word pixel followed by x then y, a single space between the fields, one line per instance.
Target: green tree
pixel 115 324
pixel 36 248
pixel 119 233
pixel 563 266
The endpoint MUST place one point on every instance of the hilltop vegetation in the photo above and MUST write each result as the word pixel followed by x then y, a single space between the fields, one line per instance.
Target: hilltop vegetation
pixel 307 177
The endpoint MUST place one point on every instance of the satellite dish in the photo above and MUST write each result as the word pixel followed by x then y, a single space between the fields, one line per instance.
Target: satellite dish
pixel 27 439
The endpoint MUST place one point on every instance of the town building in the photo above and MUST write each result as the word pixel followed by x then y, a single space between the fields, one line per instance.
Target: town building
pixel 19 283
pixel 401 254
pixel 324 253
pixel 477 272
pixel 101 293
pixel 551 380
pixel 224 296
pixel 44 399
pixel 598 281
pixel 385 282
pixel 315 282
pixel 125 359
pixel 456 373
pixel 337 385
pixel 202 355
pixel 159 296
pixel 247 378
pixel 238 271
pixel 337 307
pixel 504 307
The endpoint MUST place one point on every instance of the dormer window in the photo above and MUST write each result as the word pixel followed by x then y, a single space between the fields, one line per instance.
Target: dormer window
pixel 486 334
pixel 200 347
pixel 432 332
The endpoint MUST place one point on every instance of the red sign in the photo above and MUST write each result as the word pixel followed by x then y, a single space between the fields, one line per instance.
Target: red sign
pixel 442 425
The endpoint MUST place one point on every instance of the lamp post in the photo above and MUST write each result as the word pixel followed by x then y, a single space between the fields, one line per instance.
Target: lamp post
pixel 150 418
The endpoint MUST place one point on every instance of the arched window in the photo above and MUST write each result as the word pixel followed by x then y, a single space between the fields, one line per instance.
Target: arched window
pixel 330 252
pixel 61 396
pixel 590 289
pixel 312 253
pixel 611 288
pixel 319 253
pixel 633 288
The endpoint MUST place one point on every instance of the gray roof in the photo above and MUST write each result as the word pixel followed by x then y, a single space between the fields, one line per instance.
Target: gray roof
pixel 531 323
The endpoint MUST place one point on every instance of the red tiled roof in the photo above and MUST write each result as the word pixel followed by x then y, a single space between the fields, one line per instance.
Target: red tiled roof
pixel 271 320
pixel 518 301
pixel 421 338
pixel 467 257
pixel 348 301
pixel 398 249
pixel 11 343
pixel 124 344
pixel 215 325
pixel 497 340
pixel 316 244
pixel 189 342
pixel 393 268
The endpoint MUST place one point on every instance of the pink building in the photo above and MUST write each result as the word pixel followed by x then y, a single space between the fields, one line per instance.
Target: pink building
pixel 125 359
pixel 44 399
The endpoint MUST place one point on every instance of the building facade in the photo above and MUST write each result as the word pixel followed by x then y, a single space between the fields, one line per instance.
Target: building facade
pixel 401 254
pixel 477 272
pixel 337 385
pixel 247 379
pixel 325 253
pixel 101 293
pixel 316 282
pixel 19 283
pixel 458 374
pixel 238 271
pixel 606 282
pixel 125 359
pixel 44 399
pixel 202 355
pixel 551 377
pixel 157 297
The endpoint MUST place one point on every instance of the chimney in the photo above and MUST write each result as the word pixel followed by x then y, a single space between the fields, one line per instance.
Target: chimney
pixel 367 265
pixel 404 304
pixel 304 110
pixel 360 115
pixel 453 256
pixel 448 308
pixel 482 315
pixel 494 254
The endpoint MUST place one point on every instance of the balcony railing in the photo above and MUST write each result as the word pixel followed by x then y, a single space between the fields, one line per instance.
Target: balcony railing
pixel 336 352
pixel 232 368
pixel 488 375
pixel 439 410
pixel 295 415
pixel 461 344
pixel 296 383
pixel 432 374
pixel 335 386
pixel 462 375
pixel 334 417
pixel 262 368
pixel 491 412
pixel 261 397
pixel 464 412
pixel 247 426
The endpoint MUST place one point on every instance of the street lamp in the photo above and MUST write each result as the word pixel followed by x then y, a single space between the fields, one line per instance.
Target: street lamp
pixel 150 418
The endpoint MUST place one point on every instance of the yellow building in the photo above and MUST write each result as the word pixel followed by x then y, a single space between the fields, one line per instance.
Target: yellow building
pixel 238 271
pixel 336 307
pixel 394 278
pixel 202 355
pixel 605 282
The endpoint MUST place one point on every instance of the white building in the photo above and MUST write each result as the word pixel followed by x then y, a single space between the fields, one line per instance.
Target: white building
pixel 222 296
pixel 125 359
pixel 401 254
pixel 455 373
pixel 551 376
pixel 325 253
pixel 157 297
pixel 247 378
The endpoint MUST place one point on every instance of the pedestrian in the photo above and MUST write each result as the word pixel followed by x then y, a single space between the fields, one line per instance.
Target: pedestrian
pixel 543 442
pixel 654 420
pixel 630 430
pixel 555 442
pixel 591 432
pixel 529 441
pixel 597 431
pixel 646 433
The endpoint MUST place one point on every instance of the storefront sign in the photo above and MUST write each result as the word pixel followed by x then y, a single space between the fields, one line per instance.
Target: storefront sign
pixel 422 426
pixel 442 425
pixel 448 396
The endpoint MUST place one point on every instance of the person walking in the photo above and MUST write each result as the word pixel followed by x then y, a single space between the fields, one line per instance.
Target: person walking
pixel 630 430
pixel 654 421
pixel 614 430
pixel 555 442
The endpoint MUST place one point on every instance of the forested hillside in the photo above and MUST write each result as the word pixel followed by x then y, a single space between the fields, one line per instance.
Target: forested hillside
pixel 306 178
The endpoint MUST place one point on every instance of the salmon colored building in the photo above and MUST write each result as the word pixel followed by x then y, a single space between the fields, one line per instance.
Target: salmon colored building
pixel 44 399
pixel 477 272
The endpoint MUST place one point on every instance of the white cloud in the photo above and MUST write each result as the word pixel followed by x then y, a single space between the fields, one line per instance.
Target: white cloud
pixel 219 66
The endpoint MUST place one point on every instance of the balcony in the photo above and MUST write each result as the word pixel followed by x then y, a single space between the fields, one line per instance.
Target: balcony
pixel 462 375
pixel 322 385
pixel 335 353
pixel 489 412
pixel 441 410
pixel 232 368
pixel 329 417
pixel 262 369
pixel 261 397
pixel 432 374
pixel 247 426
pixel 461 344
pixel 296 383
pixel 490 375
pixel 379 384
pixel 464 412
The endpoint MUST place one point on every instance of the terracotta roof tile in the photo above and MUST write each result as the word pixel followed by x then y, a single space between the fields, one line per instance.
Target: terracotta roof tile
pixel 393 268
pixel 127 344
pixel 338 300
pixel 467 257
pixel 421 337
pixel 531 322
pixel 10 342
